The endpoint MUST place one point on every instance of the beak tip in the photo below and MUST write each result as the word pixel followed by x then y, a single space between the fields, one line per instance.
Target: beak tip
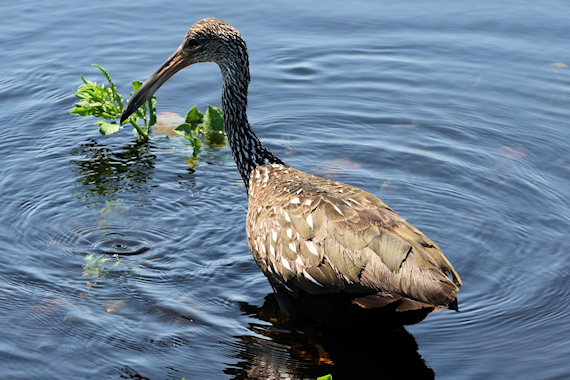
pixel 122 119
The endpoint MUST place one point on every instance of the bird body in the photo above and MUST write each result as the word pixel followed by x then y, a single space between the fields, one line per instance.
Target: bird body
pixel 317 236
pixel 332 252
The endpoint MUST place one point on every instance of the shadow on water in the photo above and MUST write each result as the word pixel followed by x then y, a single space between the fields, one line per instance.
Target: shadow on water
pixel 285 349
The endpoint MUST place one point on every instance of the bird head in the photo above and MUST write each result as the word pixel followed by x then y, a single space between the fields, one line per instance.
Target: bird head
pixel 208 40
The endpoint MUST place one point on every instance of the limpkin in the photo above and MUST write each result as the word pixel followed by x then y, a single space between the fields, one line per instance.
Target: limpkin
pixel 332 252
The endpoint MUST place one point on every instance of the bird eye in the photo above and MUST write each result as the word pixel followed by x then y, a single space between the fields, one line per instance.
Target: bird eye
pixel 191 43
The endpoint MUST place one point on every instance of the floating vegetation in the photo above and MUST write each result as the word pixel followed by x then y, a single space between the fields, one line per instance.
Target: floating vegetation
pixel 98 266
pixel 105 103
pixel 210 125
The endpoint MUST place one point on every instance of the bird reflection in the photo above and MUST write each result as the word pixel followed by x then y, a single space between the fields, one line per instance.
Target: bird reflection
pixel 281 348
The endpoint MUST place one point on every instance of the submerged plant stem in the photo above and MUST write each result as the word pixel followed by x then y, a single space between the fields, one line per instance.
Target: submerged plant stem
pixel 142 135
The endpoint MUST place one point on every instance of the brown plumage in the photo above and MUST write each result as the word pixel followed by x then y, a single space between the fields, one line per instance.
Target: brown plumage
pixel 332 252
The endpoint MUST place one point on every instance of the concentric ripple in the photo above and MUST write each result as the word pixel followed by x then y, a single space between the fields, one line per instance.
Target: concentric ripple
pixel 111 240
pixel 119 243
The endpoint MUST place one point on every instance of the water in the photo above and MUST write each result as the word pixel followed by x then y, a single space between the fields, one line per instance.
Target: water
pixel 121 260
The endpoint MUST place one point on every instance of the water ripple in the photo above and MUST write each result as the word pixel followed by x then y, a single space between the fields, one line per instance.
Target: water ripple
pixel 129 260
pixel 107 239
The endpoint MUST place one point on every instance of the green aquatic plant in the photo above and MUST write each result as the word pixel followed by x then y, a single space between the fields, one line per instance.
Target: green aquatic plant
pixel 210 125
pixel 98 265
pixel 104 102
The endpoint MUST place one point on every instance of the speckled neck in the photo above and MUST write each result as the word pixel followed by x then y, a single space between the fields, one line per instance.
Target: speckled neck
pixel 247 150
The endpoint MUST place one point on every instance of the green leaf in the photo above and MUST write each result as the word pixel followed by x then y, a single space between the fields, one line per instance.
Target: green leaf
pixel 118 99
pixel 136 85
pixel 140 113
pixel 184 129
pixel 327 377
pixel 95 100
pixel 107 128
pixel 194 117
pixel 106 103
pixel 81 111
pixel 213 120
pixel 216 138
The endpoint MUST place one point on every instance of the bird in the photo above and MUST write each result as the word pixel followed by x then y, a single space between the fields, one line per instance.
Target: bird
pixel 333 253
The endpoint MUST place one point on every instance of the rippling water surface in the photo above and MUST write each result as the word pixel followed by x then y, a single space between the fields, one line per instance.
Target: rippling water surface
pixel 122 260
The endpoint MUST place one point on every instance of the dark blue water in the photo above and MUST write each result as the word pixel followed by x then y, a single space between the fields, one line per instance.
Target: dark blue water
pixel 121 260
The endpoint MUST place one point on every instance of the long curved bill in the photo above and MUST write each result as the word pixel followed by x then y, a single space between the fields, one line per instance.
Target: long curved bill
pixel 175 63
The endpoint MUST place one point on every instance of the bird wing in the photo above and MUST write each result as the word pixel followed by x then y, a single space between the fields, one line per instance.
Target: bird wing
pixel 321 236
